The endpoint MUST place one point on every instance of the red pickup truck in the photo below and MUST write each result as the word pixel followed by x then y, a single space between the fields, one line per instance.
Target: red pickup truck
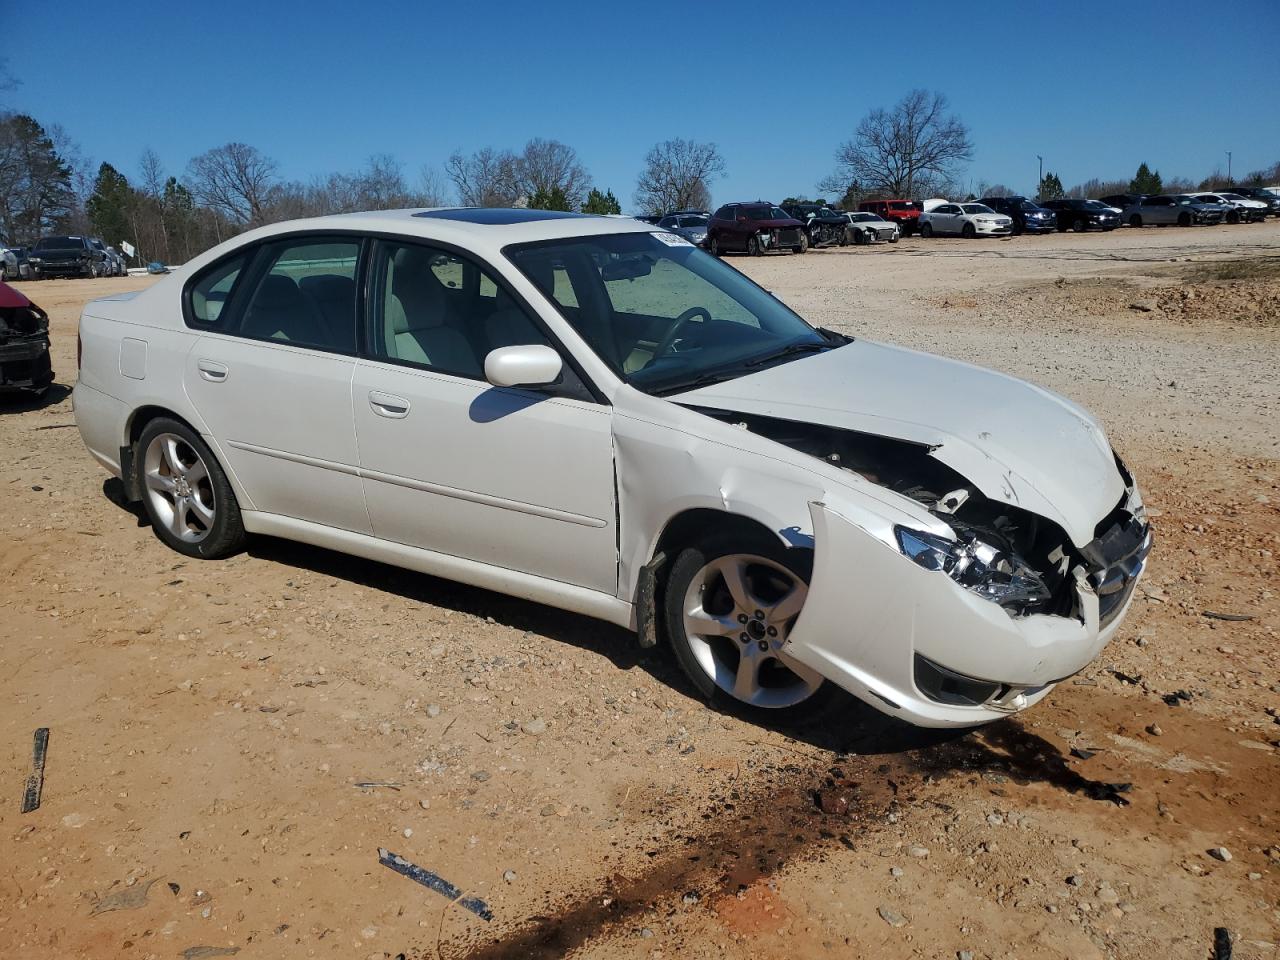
pixel 905 213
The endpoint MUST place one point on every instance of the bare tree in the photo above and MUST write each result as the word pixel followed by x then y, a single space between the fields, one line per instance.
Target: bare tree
pixel 487 178
pixel 547 165
pixel 911 149
pixel 985 189
pixel 431 189
pixel 677 175
pixel 236 180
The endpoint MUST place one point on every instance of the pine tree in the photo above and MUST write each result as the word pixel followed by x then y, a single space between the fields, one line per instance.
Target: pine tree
pixel 109 205
pixel 553 199
pixel 601 203
pixel 1051 187
pixel 1146 181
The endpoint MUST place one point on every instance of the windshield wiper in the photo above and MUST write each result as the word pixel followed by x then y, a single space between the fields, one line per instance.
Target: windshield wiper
pixel 788 351
pixel 702 380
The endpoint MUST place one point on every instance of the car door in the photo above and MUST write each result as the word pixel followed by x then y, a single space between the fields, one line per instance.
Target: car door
pixel 513 477
pixel 1157 210
pixel 271 373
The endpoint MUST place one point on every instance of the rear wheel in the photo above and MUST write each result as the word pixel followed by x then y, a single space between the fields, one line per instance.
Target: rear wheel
pixel 185 492
pixel 730 606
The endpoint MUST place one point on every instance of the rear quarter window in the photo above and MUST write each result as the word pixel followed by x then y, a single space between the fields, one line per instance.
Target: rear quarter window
pixel 209 293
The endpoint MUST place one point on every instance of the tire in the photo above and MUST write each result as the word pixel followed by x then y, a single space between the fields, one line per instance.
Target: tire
pixel 894 238
pixel 803 245
pixel 1079 226
pixel 753 246
pixel 713 246
pixel 1135 220
pixel 968 231
pixel 1233 216
pixel 751 674
pixel 1184 219
pixel 926 230
pixel 185 492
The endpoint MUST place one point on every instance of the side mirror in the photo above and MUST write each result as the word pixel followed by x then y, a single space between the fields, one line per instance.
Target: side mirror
pixel 529 365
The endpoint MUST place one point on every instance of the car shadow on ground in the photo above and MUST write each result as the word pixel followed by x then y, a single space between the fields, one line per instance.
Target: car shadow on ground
pixel 11 403
pixel 844 724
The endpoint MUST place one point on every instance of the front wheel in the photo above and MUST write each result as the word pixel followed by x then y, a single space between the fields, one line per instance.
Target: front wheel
pixel 803 245
pixel 926 231
pixel 730 606
pixel 1135 221
pixel 968 232
pixel 1078 226
pixel 713 246
pixel 753 246
pixel 1184 219
pixel 186 494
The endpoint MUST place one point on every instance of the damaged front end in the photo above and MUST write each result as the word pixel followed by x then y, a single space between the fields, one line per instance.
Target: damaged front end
pixel 1032 608
pixel 24 344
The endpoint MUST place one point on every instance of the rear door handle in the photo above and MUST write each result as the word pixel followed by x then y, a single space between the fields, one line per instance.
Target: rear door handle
pixel 212 370
pixel 388 405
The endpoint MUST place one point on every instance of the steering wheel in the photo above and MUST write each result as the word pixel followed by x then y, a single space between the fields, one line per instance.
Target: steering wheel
pixel 677 325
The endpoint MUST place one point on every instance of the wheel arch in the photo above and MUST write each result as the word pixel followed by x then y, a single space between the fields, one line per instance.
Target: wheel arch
pixel 136 423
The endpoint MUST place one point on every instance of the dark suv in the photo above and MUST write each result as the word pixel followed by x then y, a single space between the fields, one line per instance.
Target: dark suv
pixel 822 223
pixel 67 257
pixel 756 228
pixel 1080 215
pixel 1027 216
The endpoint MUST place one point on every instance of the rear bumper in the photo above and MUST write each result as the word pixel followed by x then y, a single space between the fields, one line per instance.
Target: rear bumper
pixel 102 420
pixel 880 626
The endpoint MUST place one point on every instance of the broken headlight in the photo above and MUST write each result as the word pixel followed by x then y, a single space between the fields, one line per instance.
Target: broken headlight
pixel 991 573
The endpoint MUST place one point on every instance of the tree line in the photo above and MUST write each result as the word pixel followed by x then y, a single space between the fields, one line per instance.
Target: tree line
pixel 914 149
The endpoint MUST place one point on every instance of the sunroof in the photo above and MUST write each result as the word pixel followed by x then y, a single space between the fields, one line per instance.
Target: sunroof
pixel 497 217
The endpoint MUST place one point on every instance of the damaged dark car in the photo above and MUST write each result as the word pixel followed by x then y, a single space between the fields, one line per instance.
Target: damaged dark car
pixel 24 344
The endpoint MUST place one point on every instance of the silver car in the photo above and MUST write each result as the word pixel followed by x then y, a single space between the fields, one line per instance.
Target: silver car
pixel 691 226
pixel 870 227
pixel 1180 208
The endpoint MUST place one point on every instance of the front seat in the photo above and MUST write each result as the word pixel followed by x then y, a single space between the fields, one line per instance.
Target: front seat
pixel 417 323
pixel 509 326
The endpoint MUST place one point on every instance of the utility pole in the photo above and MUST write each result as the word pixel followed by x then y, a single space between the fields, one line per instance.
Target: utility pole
pixel 1229 180
pixel 1040 181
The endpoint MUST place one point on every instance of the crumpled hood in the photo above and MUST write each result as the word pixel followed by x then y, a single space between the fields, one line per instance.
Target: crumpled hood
pixel 1014 441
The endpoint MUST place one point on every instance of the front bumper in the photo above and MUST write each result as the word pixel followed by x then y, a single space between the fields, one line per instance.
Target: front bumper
pixel 992 229
pixel 63 268
pixel 25 364
pixel 872 616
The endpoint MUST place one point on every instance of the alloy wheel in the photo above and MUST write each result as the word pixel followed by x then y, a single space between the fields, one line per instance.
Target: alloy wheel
pixel 178 487
pixel 739 611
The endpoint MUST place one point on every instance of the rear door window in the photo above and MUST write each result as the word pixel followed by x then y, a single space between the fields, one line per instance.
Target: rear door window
pixel 211 292
pixel 305 295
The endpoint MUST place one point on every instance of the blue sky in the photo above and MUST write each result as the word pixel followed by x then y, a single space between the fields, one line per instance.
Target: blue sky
pixel 319 86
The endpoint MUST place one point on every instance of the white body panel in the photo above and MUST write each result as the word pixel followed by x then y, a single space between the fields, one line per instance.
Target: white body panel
pixel 563 500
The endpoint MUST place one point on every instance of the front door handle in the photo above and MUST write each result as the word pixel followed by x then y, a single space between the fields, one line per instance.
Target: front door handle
pixel 212 371
pixel 388 405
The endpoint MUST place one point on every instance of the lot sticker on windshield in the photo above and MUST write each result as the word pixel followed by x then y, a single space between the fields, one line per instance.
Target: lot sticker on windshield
pixel 672 240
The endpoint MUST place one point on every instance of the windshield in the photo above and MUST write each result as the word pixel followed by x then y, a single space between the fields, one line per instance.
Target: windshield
pixel 977 208
pixel 865 217
pixel 664 316
pixel 693 221
pixel 1028 206
pixel 61 243
pixel 902 205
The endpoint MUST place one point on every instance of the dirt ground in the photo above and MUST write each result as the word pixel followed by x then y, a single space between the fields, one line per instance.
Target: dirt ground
pixel 216 727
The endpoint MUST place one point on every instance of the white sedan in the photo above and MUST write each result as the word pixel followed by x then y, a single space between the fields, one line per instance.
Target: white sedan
pixel 592 413
pixel 963 219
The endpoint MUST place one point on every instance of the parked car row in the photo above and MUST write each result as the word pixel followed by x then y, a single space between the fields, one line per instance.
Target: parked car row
pixel 71 256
